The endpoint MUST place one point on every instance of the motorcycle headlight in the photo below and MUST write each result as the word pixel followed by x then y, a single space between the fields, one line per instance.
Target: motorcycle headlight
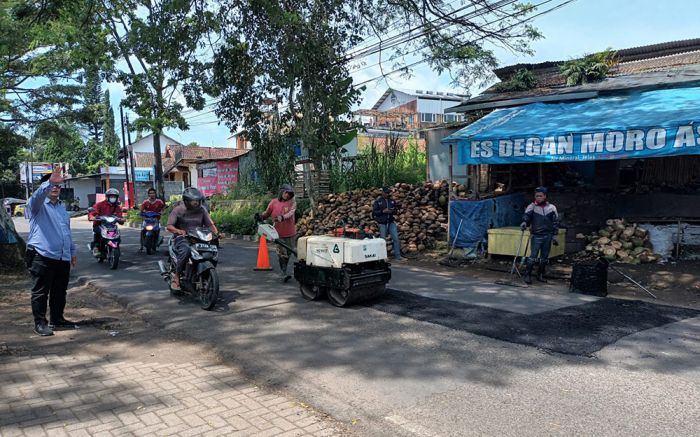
pixel 149 227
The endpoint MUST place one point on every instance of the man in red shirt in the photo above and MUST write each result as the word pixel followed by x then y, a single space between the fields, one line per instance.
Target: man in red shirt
pixel 152 204
pixel 282 210
pixel 108 207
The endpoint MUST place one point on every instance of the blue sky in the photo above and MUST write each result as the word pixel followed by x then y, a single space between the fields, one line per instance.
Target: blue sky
pixel 584 26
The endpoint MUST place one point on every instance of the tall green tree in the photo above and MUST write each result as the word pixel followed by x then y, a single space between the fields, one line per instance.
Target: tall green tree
pixel 300 54
pixel 161 46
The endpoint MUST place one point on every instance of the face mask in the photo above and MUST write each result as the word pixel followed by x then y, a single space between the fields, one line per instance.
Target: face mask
pixel 112 199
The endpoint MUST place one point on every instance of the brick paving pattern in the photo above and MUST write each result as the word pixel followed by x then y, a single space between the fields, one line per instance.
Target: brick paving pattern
pixel 56 395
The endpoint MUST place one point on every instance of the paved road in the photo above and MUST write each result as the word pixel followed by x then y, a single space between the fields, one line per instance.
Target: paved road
pixel 521 362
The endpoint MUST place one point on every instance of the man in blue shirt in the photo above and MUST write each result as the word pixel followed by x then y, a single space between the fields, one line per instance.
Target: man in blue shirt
pixel 50 253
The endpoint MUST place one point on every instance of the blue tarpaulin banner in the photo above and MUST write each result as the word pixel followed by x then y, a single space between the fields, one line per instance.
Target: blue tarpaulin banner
pixel 478 216
pixel 636 125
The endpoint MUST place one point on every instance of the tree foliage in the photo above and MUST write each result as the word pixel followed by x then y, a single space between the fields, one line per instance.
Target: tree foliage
pixel 161 46
pixel 300 54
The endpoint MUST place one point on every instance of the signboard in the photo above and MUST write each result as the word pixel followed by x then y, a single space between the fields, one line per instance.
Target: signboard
pixel 637 125
pixel 142 175
pixel 38 169
pixel 217 177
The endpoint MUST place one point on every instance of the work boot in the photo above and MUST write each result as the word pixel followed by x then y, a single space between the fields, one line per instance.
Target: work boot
pixel 42 329
pixel 528 271
pixel 540 272
pixel 62 323
pixel 283 267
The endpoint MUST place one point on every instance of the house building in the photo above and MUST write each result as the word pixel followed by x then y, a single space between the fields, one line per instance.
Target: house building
pixel 182 161
pixel 145 144
pixel 405 110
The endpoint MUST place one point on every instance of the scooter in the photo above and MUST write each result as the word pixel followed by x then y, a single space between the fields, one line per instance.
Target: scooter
pixel 109 241
pixel 199 278
pixel 150 232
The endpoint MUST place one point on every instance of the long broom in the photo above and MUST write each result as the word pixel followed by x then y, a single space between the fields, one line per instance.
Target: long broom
pixel 510 282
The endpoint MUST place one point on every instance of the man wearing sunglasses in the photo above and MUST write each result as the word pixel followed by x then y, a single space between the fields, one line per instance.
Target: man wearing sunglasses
pixel 50 253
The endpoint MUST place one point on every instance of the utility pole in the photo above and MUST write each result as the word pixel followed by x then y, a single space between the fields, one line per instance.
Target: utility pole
pixel 124 149
pixel 131 155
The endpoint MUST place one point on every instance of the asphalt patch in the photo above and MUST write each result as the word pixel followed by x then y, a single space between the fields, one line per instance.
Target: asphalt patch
pixel 575 330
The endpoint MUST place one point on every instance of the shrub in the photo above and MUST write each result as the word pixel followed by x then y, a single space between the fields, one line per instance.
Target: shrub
pixel 589 68
pixel 522 80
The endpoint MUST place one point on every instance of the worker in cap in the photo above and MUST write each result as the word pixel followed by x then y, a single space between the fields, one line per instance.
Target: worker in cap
pixel 282 210
pixel 543 220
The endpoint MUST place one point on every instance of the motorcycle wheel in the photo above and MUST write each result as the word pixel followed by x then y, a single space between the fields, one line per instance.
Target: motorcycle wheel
pixel 209 289
pixel 150 245
pixel 113 258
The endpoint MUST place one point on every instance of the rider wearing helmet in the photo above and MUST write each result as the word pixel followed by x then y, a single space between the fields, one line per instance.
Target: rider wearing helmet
pixel 187 216
pixel 110 206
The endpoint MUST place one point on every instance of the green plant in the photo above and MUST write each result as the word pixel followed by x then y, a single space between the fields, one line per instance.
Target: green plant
pixel 589 68
pixel 398 160
pixel 134 215
pixel 522 80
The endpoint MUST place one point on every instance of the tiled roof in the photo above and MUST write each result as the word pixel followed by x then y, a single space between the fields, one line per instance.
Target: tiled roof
pixel 197 153
pixel 624 55
pixel 145 159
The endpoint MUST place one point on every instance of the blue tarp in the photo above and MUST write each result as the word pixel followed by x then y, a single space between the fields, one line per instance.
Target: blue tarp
pixel 636 125
pixel 478 216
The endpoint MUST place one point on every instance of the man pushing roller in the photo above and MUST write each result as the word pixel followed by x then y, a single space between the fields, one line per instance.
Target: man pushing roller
pixel 543 220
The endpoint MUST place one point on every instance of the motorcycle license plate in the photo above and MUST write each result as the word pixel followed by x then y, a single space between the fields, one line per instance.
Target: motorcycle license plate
pixel 202 246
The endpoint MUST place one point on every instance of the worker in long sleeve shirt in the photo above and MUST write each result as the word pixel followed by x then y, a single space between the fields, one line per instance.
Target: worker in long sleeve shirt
pixel 543 220
pixel 50 254
pixel 282 210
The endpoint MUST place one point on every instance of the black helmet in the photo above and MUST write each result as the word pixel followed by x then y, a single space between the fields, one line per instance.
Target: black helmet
pixel 286 188
pixel 112 193
pixel 190 195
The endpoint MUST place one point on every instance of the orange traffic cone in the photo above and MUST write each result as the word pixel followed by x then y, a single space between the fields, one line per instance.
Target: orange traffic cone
pixel 263 257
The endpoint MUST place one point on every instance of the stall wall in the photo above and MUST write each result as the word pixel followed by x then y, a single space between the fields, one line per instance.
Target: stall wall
pixel 439 156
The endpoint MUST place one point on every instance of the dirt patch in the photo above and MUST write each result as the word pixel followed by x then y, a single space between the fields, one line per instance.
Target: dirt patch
pixel 105 328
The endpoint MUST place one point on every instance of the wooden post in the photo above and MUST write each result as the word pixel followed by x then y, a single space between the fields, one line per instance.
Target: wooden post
pixel 540 174
pixel 477 187
pixel 450 167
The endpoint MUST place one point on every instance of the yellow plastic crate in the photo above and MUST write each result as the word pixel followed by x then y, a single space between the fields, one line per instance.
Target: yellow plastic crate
pixel 504 241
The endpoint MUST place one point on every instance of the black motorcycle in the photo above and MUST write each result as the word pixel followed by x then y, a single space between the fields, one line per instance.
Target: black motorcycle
pixel 199 278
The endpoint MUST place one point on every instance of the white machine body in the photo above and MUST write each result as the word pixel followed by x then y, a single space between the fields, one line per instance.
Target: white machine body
pixel 325 251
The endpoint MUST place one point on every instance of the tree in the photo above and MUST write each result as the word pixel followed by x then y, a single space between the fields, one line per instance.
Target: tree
pixel 299 54
pixel 160 44
pixel 44 47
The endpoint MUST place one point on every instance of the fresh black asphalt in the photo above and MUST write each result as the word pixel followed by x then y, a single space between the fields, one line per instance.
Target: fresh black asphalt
pixel 575 330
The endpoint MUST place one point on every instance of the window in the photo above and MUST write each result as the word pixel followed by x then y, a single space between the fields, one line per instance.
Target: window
pixel 428 118
pixel 449 118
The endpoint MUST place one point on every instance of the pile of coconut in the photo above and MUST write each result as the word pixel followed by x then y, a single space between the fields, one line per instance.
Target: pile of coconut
pixel 622 242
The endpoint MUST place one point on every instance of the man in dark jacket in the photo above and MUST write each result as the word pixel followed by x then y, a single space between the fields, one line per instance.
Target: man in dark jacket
pixel 383 211
pixel 543 220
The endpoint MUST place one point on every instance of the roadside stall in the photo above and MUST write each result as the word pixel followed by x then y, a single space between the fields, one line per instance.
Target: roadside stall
pixel 627 139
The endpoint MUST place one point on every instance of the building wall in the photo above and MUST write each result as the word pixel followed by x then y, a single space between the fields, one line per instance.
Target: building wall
pixel 84 189
pixel 435 106
pixel 145 144
pixel 439 156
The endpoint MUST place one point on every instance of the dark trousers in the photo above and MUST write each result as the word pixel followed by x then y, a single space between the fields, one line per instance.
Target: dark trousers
pixel 540 245
pixel 181 247
pixel 49 284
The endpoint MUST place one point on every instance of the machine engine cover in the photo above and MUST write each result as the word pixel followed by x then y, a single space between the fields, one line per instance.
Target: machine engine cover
pixel 325 251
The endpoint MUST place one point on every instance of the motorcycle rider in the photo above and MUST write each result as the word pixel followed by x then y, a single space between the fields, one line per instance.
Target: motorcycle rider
pixel 152 204
pixel 185 217
pixel 110 206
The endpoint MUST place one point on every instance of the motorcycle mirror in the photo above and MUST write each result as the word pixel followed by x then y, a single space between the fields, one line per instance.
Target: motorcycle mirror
pixel 91 209
pixel 125 210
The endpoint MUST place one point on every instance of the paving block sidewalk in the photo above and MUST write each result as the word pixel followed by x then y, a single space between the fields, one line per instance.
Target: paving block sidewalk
pixel 93 396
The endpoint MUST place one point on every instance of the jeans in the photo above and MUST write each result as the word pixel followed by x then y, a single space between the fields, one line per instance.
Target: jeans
pixel 394 231
pixel 541 245
pixel 181 247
